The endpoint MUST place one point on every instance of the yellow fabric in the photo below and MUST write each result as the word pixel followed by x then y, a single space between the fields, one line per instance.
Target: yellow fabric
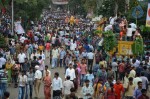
pixel 41 48
pixel 98 87
pixel 9 66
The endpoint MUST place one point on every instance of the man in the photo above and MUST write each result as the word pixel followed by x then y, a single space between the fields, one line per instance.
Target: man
pixel 132 72
pixel 34 62
pixel 115 68
pixel 136 80
pixel 129 89
pixel 67 85
pixel 57 86
pixel 143 96
pixel 55 54
pixel 21 58
pixel 144 81
pixel 118 87
pixel 90 56
pixel 2 60
pixel 70 72
pixel 87 90
pixel 3 81
pixel 62 56
pixel 137 91
pixel 90 77
pixel 37 82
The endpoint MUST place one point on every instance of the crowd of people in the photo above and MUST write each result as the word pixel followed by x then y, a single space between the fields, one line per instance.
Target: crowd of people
pixel 74 47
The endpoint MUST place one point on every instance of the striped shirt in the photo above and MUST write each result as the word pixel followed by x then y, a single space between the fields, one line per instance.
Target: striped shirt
pixel 3 76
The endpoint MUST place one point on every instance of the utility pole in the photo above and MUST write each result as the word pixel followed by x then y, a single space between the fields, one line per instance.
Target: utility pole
pixel 12 17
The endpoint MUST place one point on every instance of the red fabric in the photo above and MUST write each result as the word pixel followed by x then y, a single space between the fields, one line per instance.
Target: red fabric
pixel 121 67
pixel 110 95
pixel 118 89
pixel 47 84
pixel 3 10
pixel 47 46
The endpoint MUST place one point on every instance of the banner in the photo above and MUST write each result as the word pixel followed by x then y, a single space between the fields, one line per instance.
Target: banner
pixel 148 16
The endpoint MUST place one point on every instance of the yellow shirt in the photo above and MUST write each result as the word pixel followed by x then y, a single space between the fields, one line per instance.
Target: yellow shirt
pixel 41 47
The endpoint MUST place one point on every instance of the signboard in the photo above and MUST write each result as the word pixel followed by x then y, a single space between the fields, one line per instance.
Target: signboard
pixel 148 16
pixel 137 12
pixel 125 48
pixel 60 2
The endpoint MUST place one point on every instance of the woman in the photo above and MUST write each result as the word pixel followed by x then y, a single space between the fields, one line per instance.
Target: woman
pixel 110 94
pixel 99 90
pixel 83 68
pixel 47 84
pixel 9 70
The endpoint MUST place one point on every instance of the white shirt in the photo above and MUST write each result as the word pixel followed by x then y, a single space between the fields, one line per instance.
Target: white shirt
pixel 21 58
pixel 73 46
pixel 2 61
pixel 108 28
pixel 129 32
pixel 136 80
pixel 22 80
pixel 55 53
pixel 90 55
pixel 133 25
pixel 71 73
pixel 57 83
pixel 38 74
pixel 132 73
pixel 67 85
pixel 85 90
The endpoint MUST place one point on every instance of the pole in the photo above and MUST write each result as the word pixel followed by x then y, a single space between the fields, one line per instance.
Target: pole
pixel 12 17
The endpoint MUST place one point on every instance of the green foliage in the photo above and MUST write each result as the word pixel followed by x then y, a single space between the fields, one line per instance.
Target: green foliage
pixel 110 41
pixel 30 9
pixel 2 41
pixel 145 31
pixel 108 7
pixel 97 32
pixel 77 7
pixel 137 47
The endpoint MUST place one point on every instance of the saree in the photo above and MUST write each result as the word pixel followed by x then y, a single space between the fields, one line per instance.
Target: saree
pixel 47 89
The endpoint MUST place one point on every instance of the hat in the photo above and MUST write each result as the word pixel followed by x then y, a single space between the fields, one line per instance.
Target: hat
pixel 36 67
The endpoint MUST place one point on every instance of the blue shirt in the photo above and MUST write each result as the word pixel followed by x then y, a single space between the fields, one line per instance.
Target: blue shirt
pixel 62 54
pixel 137 93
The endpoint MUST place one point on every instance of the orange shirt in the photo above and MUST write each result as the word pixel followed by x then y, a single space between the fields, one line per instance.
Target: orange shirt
pixel 118 89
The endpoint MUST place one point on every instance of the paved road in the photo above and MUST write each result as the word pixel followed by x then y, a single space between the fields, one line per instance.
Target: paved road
pixel 14 91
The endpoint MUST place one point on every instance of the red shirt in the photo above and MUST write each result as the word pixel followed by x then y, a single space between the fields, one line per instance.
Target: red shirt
pixel 118 89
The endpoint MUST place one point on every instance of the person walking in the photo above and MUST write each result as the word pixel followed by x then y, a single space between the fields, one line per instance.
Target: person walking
pixel 87 90
pixel 67 85
pixel 118 89
pixel 83 67
pixel 29 86
pixel 47 85
pixel 22 78
pixel 129 89
pixel 137 91
pixel 37 81
pixel 3 81
pixel 57 86
pixel 55 54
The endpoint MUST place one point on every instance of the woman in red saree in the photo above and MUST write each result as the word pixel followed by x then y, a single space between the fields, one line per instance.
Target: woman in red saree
pixel 47 84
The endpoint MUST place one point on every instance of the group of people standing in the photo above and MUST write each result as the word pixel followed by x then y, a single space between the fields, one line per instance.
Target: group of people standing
pixel 75 48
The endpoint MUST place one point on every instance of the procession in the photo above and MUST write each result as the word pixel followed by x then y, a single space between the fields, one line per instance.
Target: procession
pixel 67 55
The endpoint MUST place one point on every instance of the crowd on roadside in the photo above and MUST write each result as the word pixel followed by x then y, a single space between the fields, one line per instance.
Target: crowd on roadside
pixel 75 48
